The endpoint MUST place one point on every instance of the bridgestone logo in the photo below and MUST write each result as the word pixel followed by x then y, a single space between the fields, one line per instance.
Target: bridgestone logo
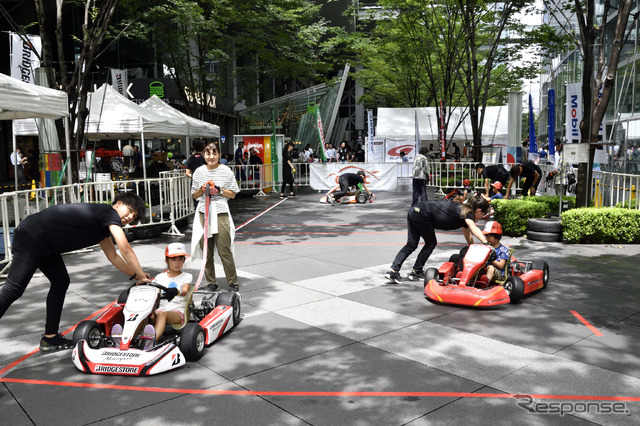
pixel 116 369
pixel 122 354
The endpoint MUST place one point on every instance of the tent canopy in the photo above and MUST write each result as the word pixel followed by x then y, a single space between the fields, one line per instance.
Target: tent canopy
pixel 23 100
pixel 111 116
pixel 399 124
pixel 195 127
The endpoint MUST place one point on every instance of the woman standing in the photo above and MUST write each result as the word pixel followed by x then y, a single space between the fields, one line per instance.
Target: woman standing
pixel 221 231
pixel 424 218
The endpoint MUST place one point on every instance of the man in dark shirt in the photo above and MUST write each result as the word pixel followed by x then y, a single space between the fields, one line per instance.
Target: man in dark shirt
pixel 531 174
pixel 492 174
pixel 41 238
pixel 196 159
pixel 359 154
pixel 287 170
pixel 345 181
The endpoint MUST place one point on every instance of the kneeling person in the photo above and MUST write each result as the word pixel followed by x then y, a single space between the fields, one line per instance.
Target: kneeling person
pixel 496 268
pixel 345 181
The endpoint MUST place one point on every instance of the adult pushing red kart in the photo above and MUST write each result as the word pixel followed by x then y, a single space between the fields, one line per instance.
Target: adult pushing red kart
pixel 463 281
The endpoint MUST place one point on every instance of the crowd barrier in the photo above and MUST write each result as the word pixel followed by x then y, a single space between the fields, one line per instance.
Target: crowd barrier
pixel 169 200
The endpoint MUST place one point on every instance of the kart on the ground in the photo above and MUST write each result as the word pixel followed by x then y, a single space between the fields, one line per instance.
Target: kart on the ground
pixel 462 280
pixel 96 351
pixel 353 196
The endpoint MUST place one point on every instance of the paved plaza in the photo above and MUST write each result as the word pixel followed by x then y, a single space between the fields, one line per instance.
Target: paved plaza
pixel 325 340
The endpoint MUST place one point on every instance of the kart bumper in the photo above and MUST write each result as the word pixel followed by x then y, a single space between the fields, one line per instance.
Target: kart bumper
pixel 132 362
pixel 467 296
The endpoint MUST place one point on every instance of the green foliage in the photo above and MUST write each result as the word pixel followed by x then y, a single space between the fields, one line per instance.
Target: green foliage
pixel 552 202
pixel 601 225
pixel 629 204
pixel 513 215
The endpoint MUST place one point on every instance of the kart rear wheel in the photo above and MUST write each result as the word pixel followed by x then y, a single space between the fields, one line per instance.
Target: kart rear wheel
pixel 431 274
pixel 192 341
pixel 230 299
pixel 541 265
pixel 515 289
pixel 90 331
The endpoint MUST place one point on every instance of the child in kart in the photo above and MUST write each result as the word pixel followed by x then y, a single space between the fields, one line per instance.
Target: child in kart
pixel 496 268
pixel 170 311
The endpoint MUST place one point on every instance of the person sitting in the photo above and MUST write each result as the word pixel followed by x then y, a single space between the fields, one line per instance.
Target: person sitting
pixel 497 191
pixel 496 268
pixel 345 181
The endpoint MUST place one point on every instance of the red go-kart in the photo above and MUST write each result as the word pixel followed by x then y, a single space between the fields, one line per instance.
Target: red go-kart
pixel 463 281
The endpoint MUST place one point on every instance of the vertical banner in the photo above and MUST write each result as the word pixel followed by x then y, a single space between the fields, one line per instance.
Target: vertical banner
pixel 552 122
pixel 443 156
pixel 574 112
pixel 417 132
pixel 119 81
pixel 369 150
pixel 24 57
pixel 533 146
pixel 321 133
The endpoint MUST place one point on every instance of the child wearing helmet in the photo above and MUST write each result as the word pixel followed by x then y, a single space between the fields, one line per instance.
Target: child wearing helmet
pixel 496 268
pixel 496 188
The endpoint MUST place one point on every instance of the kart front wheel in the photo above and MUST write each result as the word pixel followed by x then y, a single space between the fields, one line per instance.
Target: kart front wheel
pixel 90 331
pixel 192 342
pixel 230 299
pixel 541 265
pixel 361 198
pixel 431 274
pixel 515 288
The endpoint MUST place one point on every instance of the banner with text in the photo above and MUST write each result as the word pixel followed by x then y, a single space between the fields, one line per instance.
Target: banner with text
pixel 120 81
pixel 574 112
pixel 24 57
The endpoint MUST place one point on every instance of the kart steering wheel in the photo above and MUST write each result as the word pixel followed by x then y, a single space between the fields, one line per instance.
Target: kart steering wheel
pixel 164 289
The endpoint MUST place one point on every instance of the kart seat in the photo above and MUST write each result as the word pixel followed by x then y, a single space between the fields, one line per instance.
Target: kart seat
pixel 187 312
pixel 507 268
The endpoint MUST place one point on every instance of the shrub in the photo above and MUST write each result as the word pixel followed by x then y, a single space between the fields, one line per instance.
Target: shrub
pixel 601 225
pixel 552 202
pixel 514 215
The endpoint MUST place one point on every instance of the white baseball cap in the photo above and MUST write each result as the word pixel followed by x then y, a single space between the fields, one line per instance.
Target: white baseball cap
pixel 175 250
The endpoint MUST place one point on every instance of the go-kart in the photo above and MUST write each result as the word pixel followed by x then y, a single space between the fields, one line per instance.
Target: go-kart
pixel 96 351
pixel 462 280
pixel 353 196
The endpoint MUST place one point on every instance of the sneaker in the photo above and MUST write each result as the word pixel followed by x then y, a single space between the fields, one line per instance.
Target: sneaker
pixel 149 337
pixel 55 343
pixel 331 200
pixel 212 287
pixel 393 276
pixel 234 287
pixel 282 196
pixel 293 195
pixel 116 334
pixel 416 275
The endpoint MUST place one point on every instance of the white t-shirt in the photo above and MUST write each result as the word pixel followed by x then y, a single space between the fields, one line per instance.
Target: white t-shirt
pixel 223 177
pixel 178 303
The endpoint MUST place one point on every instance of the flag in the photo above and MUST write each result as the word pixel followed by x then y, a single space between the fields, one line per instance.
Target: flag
pixel 417 132
pixel 533 148
pixel 321 133
pixel 25 52
pixel 119 81
pixel 552 122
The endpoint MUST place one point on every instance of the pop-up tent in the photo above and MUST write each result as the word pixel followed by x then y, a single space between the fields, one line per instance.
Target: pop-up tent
pixel 195 127
pixel 111 116
pixel 22 100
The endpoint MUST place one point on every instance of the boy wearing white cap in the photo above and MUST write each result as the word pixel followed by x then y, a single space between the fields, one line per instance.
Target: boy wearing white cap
pixel 495 268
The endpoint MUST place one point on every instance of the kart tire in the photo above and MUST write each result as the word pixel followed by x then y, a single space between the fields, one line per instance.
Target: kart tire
pixel 515 288
pixel 539 224
pixel 232 299
pixel 548 237
pixel 541 265
pixel 431 274
pixel 122 298
pixel 455 258
pixel 90 331
pixel 192 341
pixel 361 198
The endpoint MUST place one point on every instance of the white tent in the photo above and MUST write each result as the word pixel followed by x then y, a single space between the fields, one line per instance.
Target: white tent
pixel 399 124
pixel 195 127
pixel 111 116
pixel 20 100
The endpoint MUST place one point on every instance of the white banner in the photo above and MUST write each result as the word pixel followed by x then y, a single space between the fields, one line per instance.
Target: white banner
pixel 574 112
pixel 394 147
pixel 120 81
pixel 24 60
pixel 381 177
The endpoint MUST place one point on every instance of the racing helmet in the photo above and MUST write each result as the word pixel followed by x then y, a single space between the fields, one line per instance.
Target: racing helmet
pixel 466 182
pixel 492 227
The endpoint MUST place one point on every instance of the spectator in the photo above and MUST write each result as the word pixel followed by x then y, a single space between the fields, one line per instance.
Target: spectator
pixel 137 157
pixel 420 176
pixel 344 153
pixel 531 174
pixel 287 170
pixel 456 152
pixel 403 157
pixel 360 154
pixel 196 159
pixel 332 154
pixel 19 161
pixel 255 161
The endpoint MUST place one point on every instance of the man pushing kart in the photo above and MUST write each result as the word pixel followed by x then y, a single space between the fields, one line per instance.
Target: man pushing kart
pixel 345 181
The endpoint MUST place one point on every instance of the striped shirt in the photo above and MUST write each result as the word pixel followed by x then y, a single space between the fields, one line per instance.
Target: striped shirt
pixel 223 177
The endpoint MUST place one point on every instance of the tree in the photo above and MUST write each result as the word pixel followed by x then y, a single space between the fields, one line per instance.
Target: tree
pixel 600 53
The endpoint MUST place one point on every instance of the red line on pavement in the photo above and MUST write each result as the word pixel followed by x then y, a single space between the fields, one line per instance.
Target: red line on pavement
pixel 36 350
pixel 325 394
pixel 324 233
pixel 275 243
pixel 585 322
pixel 259 214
